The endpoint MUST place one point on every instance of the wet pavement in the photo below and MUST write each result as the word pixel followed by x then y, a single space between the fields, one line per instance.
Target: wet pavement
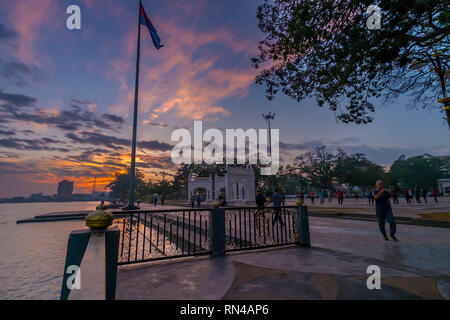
pixel 416 267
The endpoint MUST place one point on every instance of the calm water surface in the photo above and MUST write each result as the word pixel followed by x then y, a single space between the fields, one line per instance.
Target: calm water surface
pixel 32 255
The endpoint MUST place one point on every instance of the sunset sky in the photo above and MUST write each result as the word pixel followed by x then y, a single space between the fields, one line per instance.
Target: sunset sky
pixel 66 97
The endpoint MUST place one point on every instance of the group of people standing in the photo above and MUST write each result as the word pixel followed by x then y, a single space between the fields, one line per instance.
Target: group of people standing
pixel 322 195
pixel 409 194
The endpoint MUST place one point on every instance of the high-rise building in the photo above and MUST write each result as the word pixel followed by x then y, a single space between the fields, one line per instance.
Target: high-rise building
pixel 65 189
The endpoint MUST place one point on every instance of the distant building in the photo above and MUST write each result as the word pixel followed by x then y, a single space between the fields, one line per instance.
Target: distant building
pixel 444 186
pixel 65 189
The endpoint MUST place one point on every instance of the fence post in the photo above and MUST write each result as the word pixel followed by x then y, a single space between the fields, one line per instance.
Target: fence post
pixel 302 225
pixel 94 254
pixel 217 231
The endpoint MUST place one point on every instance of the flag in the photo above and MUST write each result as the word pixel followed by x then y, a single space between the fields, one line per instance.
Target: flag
pixel 143 18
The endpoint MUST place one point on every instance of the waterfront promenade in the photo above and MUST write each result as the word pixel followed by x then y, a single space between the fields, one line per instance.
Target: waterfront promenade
pixel 416 267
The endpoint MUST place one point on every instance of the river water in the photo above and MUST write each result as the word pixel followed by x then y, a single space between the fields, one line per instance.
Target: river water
pixel 32 255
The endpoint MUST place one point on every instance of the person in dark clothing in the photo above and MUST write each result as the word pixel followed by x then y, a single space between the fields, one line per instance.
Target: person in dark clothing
pixel 424 194
pixel 384 211
pixel 276 199
pixel 417 192
pixel 192 202
pixel 371 198
pixel 406 195
pixel 199 201
pixel 260 199
pixel 395 195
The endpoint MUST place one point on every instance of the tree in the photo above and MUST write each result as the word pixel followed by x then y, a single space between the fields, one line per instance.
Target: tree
pixel 357 170
pixel 317 167
pixel 421 170
pixel 120 186
pixel 323 49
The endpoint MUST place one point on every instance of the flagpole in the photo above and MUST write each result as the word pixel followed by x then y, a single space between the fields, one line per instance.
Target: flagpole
pixel 133 144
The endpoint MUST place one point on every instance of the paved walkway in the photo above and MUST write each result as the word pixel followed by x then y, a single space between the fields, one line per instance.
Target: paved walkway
pixel 413 210
pixel 416 267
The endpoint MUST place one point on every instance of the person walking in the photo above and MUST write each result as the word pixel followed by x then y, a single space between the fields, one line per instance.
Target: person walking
pixel 383 210
pixel 434 193
pixel 302 196
pixel 406 195
pixel 371 197
pixel 192 202
pixel 155 200
pixel 395 195
pixel 260 203
pixel 199 201
pixel 276 199
pixel 424 194
pixel 340 196
pixel 311 195
pixel 321 196
pixel 417 193
pixel 410 195
pixel 162 200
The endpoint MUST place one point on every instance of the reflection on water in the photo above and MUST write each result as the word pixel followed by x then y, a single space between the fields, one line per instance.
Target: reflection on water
pixel 32 255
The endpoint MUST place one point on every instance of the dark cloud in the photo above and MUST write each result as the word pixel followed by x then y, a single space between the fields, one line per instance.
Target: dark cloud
pixel 112 142
pixel 21 74
pixel 7 33
pixel 7 132
pixel 69 120
pixel 112 118
pixel 99 139
pixel 33 145
pixel 155 145
pixel 81 101
pixel 156 162
pixel 156 124
pixel 17 100
pixel 307 145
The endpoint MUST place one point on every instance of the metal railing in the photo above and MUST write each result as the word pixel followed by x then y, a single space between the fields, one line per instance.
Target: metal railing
pixel 161 234
pixel 164 234
pixel 249 228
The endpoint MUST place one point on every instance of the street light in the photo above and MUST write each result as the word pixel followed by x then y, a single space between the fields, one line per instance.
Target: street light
pixel 268 117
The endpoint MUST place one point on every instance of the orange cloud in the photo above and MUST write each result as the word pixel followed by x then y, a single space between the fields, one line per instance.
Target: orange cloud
pixel 181 78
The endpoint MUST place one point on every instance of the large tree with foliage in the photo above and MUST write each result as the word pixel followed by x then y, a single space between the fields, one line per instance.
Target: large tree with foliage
pixel 317 167
pixel 323 49
pixel 120 186
pixel 356 170
pixel 421 170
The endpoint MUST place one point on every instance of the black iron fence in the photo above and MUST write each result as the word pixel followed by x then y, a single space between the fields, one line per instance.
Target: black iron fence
pixel 163 234
pixel 247 228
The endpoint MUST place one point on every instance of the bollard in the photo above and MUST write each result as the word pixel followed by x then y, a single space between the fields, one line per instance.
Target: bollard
pixel 302 225
pixel 85 249
pixel 217 232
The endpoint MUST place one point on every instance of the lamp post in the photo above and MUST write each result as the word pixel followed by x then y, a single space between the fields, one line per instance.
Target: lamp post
pixel 268 117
